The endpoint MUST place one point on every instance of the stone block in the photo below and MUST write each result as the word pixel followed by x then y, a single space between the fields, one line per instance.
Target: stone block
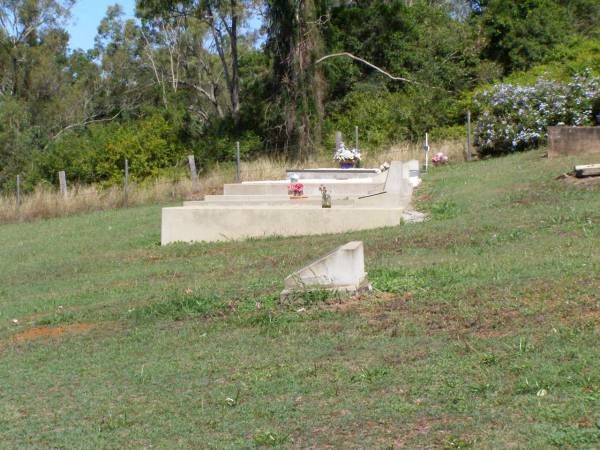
pixel 573 141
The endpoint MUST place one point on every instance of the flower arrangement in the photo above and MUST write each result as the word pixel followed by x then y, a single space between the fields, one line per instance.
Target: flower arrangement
pixel 296 189
pixel 346 154
pixel 438 159
pixel 513 117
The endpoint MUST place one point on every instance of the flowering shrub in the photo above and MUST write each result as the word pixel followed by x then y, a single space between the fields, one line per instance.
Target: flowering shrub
pixel 515 117
pixel 346 154
pixel 439 158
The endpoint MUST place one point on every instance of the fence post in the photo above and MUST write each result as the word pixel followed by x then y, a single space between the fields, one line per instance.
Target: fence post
pixel 237 158
pixel 468 135
pixel 62 179
pixel 426 148
pixel 338 139
pixel 356 137
pixel 193 171
pixel 18 191
pixel 126 199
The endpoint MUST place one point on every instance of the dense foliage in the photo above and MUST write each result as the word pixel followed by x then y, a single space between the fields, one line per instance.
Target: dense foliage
pixel 514 117
pixel 194 76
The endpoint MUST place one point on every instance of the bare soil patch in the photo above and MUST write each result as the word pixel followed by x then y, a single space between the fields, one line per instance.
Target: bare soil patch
pixel 45 332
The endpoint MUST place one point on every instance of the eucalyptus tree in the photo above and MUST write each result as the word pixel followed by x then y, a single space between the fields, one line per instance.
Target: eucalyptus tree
pixel 175 52
pixel 224 19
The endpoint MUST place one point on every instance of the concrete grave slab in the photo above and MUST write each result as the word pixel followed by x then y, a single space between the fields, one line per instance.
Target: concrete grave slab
pixel 263 208
pixel 362 186
pixel 334 174
pixel 342 270
pixel 206 224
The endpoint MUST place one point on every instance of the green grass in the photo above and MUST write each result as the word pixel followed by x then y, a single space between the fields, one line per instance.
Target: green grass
pixel 483 330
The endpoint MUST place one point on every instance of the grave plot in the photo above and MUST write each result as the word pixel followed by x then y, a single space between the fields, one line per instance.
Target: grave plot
pixel 359 199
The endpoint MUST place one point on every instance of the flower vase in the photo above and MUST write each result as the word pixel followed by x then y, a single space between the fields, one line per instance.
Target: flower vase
pixel 347 164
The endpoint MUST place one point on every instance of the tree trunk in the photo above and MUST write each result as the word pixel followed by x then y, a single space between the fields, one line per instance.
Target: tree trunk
pixel 235 78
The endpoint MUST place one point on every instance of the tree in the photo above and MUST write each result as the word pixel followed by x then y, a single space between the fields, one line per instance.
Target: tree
pixel 294 42
pixel 521 33
pixel 22 25
pixel 224 18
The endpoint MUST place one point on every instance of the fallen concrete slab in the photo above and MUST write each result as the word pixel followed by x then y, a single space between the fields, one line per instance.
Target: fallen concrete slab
pixel 342 270
pixel 587 170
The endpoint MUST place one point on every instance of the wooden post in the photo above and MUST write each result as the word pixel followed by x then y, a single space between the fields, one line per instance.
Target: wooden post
pixel 18 191
pixel 237 158
pixel 356 137
pixel 338 139
pixel 468 135
pixel 62 180
pixel 126 198
pixel 193 171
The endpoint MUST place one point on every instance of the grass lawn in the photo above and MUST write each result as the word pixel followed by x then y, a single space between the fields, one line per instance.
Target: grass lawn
pixel 483 330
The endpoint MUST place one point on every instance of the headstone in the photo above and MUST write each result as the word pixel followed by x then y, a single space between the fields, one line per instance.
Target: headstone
pixel 342 270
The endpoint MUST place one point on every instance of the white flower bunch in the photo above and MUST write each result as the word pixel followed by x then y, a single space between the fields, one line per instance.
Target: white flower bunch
pixel 346 154
pixel 516 117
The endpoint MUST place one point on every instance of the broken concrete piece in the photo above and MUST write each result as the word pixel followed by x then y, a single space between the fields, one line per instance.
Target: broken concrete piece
pixel 587 170
pixel 342 270
pixel 413 216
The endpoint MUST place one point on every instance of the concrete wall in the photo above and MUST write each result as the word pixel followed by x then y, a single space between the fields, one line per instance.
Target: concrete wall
pixel 583 141
pixel 190 224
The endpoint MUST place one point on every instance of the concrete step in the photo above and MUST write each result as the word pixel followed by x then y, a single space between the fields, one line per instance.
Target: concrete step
pixel 334 187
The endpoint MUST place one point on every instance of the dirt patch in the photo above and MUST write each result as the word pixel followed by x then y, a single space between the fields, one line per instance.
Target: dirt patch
pixel 34 334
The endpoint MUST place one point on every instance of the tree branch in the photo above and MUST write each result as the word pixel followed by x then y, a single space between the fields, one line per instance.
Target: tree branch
pixel 81 124
pixel 350 55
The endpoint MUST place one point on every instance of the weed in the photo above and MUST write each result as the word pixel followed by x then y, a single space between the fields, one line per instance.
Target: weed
pixel 269 439
pixel 443 210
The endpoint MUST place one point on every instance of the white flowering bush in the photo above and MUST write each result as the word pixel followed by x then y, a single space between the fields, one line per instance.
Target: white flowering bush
pixel 346 154
pixel 513 117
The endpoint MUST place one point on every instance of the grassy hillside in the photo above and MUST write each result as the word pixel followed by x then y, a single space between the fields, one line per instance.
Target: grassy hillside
pixel 483 330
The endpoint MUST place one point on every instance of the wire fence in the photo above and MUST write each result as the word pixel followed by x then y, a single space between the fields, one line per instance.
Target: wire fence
pixel 64 199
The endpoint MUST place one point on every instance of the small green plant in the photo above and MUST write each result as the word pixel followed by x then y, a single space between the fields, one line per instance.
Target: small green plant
pixel 445 209
pixel 368 375
pixel 270 439
pixel 180 307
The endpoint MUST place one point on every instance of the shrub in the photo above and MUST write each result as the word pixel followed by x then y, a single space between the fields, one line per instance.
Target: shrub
pixel 98 153
pixel 150 144
pixel 513 117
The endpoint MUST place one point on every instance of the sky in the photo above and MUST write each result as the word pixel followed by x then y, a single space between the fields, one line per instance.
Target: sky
pixel 86 16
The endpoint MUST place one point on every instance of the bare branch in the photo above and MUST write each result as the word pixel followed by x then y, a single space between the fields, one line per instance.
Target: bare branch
pixel 83 123
pixel 350 55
